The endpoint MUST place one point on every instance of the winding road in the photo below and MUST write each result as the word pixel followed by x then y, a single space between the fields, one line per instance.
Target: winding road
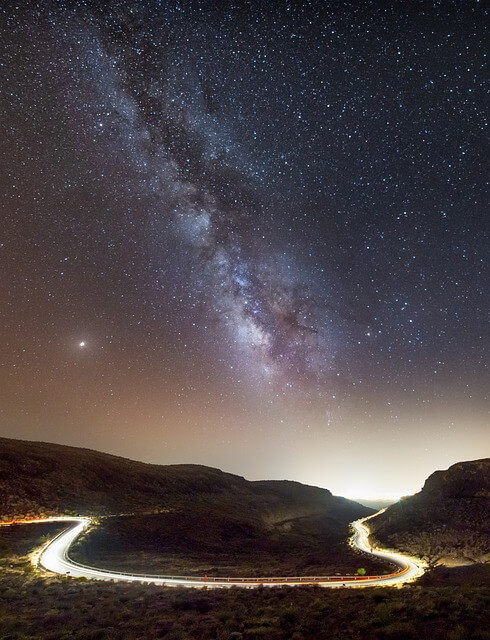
pixel 54 557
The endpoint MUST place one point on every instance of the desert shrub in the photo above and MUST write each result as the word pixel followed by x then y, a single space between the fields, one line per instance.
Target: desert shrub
pixel 178 632
pixel 397 631
pixel 383 613
pixel 458 633
pixel 201 605
pixel 380 595
pixel 288 618
pixel 260 633
pixel 259 622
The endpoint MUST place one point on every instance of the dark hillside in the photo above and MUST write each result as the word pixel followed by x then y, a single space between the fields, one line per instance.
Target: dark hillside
pixel 213 542
pixel 448 521
pixel 181 518
pixel 39 478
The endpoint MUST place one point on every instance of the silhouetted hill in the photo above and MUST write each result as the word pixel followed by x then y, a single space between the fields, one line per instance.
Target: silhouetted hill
pixel 41 478
pixel 448 520
pixel 181 518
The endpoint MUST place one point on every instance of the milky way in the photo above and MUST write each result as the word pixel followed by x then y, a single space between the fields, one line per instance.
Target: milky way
pixel 264 222
pixel 206 200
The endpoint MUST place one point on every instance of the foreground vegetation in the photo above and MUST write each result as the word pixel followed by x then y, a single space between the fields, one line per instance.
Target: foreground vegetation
pixel 34 606
pixel 63 608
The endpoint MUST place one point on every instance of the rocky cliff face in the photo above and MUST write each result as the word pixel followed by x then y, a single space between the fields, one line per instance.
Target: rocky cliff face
pixel 447 522
pixel 462 480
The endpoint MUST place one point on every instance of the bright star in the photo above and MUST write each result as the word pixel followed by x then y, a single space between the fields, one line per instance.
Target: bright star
pixel 81 344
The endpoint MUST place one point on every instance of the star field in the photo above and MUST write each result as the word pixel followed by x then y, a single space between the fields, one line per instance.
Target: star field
pixel 248 235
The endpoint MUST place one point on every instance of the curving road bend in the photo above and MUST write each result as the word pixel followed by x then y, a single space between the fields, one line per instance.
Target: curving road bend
pixel 54 557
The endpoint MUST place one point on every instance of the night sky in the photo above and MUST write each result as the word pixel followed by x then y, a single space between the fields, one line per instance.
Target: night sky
pixel 247 234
